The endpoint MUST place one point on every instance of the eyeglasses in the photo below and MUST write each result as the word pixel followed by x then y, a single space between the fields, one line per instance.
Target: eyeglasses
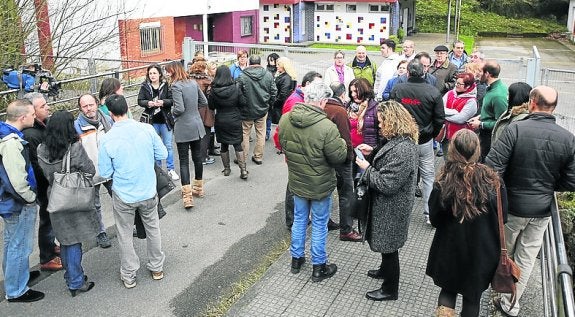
pixel 339 57
pixel 459 84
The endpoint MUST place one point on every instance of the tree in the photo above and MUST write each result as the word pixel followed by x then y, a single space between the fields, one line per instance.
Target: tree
pixel 79 29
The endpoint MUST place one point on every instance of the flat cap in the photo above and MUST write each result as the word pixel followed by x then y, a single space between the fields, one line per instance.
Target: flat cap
pixel 441 48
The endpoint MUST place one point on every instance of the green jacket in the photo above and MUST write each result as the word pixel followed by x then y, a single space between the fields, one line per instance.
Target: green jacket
pixel 494 104
pixel 367 71
pixel 313 147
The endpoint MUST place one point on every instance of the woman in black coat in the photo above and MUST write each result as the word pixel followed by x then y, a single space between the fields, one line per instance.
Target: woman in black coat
pixel 463 209
pixel 224 98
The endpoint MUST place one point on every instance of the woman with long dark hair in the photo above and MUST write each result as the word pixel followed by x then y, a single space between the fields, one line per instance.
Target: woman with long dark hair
pixel 463 209
pixel 362 113
pixel 224 98
pixel 156 98
pixel 108 87
pixel 188 129
pixel 390 173
pixel 70 228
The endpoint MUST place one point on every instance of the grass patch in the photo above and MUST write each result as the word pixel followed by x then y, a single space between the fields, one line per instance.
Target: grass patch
pixel 239 288
pixel 431 17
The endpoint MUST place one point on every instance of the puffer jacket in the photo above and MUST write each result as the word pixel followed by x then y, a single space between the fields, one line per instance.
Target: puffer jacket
pixel 536 157
pixel 258 92
pixel 313 147
pixel 425 104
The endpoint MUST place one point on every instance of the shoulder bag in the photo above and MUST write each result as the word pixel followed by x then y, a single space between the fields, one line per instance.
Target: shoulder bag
pixel 360 203
pixel 507 272
pixel 71 191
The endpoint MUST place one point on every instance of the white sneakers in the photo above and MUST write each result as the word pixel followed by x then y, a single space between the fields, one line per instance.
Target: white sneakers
pixel 173 175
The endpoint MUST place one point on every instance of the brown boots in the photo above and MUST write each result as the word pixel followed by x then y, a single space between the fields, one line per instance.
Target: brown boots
pixel 443 311
pixel 187 196
pixel 198 188
pixel 242 164
pixel 226 162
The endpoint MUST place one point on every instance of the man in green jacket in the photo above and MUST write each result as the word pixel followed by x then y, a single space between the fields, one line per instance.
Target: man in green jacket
pixel 313 147
pixel 362 66
pixel 494 105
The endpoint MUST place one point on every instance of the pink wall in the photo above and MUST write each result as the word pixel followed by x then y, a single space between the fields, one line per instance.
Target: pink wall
pixel 237 38
pixel 191 21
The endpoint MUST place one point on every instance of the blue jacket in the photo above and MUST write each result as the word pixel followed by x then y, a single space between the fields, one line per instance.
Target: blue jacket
pixel 19 190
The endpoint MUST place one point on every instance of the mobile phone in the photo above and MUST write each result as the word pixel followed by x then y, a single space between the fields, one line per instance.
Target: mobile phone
pixel 359 154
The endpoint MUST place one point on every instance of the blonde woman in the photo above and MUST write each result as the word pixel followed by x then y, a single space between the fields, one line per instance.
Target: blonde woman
pixel 285 82
pixel 390 173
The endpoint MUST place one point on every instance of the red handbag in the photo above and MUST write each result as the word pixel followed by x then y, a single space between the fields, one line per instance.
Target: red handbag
pixel 507 272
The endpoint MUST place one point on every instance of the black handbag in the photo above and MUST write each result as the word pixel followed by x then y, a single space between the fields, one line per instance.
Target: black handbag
pixel 360 203
pixel 164 183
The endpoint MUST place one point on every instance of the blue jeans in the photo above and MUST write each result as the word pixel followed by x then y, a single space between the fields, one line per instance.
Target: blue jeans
pixel 166 136
pixel 319 217
pixel 427 172
pixel 18 244
pixel 71 256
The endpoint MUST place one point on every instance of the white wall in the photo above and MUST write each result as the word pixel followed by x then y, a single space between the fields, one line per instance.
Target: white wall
pixel 362 26
pixel 571 20
pixel 155 8
pixel 275 23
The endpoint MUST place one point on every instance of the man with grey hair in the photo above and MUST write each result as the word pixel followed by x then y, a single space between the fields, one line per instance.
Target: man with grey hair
pixel 425 104
pixel 458 56
pixel 49 252
pixel 313 147
pixel 257 92
pixel 408 50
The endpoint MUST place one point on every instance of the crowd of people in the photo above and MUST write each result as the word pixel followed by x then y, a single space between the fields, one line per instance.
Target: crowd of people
pixel 359 124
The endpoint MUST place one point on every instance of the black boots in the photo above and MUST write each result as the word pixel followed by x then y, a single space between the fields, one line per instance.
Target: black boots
pixel 376 274
pixel 386 292
pixel 389 272
pixel 296 264
pixel 323 271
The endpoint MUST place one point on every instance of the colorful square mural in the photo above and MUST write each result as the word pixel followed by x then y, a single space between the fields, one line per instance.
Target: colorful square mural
pixel 350 28
pixel 276 20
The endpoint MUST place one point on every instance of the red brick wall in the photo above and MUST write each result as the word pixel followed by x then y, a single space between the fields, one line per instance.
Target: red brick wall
pixel 130 41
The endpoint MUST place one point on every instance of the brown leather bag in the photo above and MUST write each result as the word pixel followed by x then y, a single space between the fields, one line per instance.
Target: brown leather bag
pixel 208 116
pixel 507 272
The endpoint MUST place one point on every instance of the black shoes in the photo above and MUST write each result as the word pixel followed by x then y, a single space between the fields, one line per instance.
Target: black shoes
pixel 296 264
pixel 28 297
pixel 323 271
pixel 85 288
pixel 103 240
pixel 332 225
pixel 377 274
pixel 381 294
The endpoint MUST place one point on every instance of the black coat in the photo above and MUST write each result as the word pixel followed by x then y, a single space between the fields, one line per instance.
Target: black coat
pixel 36 135
pixel 285 86
pixel 463 256
pixel 165 94
pixel 225 100
pixel 535 157
pixel 425 104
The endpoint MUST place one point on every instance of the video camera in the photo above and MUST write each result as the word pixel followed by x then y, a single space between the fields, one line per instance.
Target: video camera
pixel 31 78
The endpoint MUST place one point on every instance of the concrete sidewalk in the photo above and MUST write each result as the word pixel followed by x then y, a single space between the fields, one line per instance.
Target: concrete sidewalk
pixel 280 293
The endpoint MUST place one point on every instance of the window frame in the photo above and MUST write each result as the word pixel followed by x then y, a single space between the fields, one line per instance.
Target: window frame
pixel 243 25
pixel 151 38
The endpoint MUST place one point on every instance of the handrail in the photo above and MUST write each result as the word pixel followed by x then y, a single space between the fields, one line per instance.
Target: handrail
pixel 556 273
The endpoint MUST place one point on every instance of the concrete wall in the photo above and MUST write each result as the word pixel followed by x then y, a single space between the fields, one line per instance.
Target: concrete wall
pixel 276 23
pixel 571 20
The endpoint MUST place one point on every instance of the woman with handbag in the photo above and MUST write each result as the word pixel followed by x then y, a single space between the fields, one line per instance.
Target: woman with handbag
pixel 460 105
pixel 60 148
pixel 198 71
pixel 390 173
pixel 189 129
pixel 156 99
pixel 463 208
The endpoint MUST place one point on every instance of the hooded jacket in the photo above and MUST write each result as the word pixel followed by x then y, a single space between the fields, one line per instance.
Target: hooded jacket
pixel 17 181
pixel 258 92
pixel 313 147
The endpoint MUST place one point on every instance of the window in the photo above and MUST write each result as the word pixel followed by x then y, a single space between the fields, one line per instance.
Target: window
pixel 246 24
pixel 379 8
pixel 324 7
pixel 351 8
pixel 150 37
